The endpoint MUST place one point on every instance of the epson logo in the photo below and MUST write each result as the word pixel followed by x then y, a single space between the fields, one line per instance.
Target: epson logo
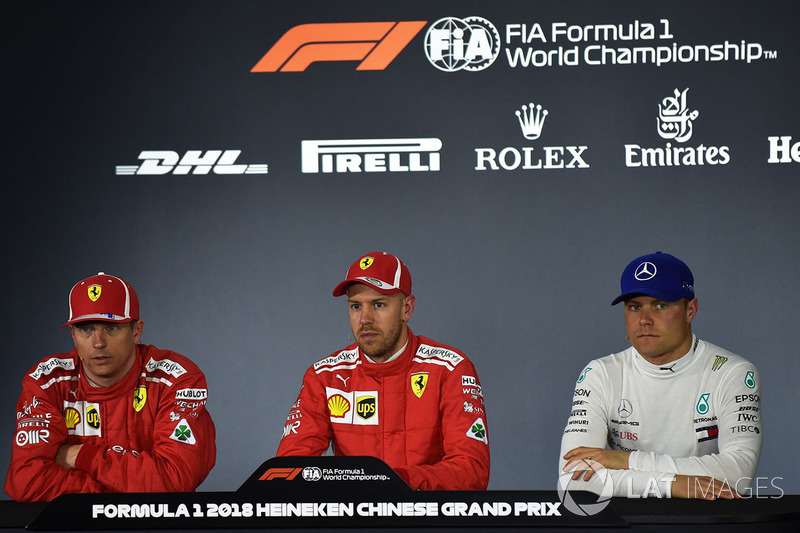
pixel 160 162
pixel 371 155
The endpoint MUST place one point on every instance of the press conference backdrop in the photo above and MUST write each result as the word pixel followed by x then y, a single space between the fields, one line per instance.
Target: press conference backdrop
pixel 231 161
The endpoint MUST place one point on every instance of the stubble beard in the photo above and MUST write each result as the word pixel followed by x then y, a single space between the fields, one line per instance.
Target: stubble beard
pixel 381 350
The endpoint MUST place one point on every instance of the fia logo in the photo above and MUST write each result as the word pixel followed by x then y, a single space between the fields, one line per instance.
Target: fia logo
pixel 453 44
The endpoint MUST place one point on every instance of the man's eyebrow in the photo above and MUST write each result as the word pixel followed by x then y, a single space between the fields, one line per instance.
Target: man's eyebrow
pixel 375 300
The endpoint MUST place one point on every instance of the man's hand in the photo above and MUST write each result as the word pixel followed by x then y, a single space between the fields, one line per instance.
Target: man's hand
pixel 67 454
pixel 580 459
pixel 702 488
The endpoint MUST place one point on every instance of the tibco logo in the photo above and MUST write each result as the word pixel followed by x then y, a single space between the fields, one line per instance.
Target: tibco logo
pixel 159 162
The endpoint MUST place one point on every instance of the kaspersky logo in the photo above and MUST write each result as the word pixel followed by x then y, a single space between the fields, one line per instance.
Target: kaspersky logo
pixel 373 44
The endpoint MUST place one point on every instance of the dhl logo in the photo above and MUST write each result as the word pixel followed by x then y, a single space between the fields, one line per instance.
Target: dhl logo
pixel 375 44
pixel 280 473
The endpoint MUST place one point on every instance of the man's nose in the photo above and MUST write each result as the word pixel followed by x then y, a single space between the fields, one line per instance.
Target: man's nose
pixel 366 315
pixel 99 338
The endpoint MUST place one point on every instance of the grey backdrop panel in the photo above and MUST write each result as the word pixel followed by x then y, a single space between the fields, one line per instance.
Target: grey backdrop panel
pixel 515 267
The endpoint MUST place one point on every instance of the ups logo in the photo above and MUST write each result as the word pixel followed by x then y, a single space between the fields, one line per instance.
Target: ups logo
pixel 365 407
pixel 93 418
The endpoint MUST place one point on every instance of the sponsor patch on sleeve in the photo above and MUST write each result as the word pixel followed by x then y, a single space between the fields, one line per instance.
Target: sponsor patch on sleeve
pixel 54 363
pixel 166 365
pixel 335 362
pixel 191 394
pixel 477 431
pixel 437 355
pixel 183 433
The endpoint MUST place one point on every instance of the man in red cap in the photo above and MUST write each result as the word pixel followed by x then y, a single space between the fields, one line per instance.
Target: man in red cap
pixel 406 399
pixel 112 415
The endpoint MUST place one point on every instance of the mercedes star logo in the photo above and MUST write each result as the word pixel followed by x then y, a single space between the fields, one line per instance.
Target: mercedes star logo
pixel 645 271
pixel 625 408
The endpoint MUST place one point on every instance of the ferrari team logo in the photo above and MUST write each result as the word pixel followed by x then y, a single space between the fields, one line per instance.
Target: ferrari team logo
pixel 94 292
pixel 139 398
pixel 419 380
pixel 366 262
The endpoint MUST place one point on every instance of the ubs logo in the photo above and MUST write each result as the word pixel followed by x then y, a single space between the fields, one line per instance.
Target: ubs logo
pixel 365 407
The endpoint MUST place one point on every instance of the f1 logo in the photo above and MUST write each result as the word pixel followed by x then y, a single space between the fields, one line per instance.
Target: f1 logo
pixel 375 44
pixel 280 473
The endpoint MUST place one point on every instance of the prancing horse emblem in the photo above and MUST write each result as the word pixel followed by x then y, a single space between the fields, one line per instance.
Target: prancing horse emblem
pixel 419 381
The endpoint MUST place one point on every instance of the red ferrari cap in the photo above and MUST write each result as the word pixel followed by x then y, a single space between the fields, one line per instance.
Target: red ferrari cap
pixel 103 298
pixel 382 271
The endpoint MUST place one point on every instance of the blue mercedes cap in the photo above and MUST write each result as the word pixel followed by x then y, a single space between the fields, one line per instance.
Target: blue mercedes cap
pixel 659 275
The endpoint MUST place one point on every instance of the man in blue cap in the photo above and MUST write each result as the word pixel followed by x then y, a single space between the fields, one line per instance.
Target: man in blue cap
pixel 673 415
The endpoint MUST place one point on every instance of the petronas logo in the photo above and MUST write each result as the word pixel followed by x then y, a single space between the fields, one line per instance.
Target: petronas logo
pixel 703 406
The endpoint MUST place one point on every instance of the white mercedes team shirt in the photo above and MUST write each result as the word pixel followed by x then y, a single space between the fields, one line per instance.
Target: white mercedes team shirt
pixel 699 415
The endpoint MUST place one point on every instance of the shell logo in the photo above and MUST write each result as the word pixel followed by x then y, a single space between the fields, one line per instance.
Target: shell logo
pixel 72 417
pixel 338 405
